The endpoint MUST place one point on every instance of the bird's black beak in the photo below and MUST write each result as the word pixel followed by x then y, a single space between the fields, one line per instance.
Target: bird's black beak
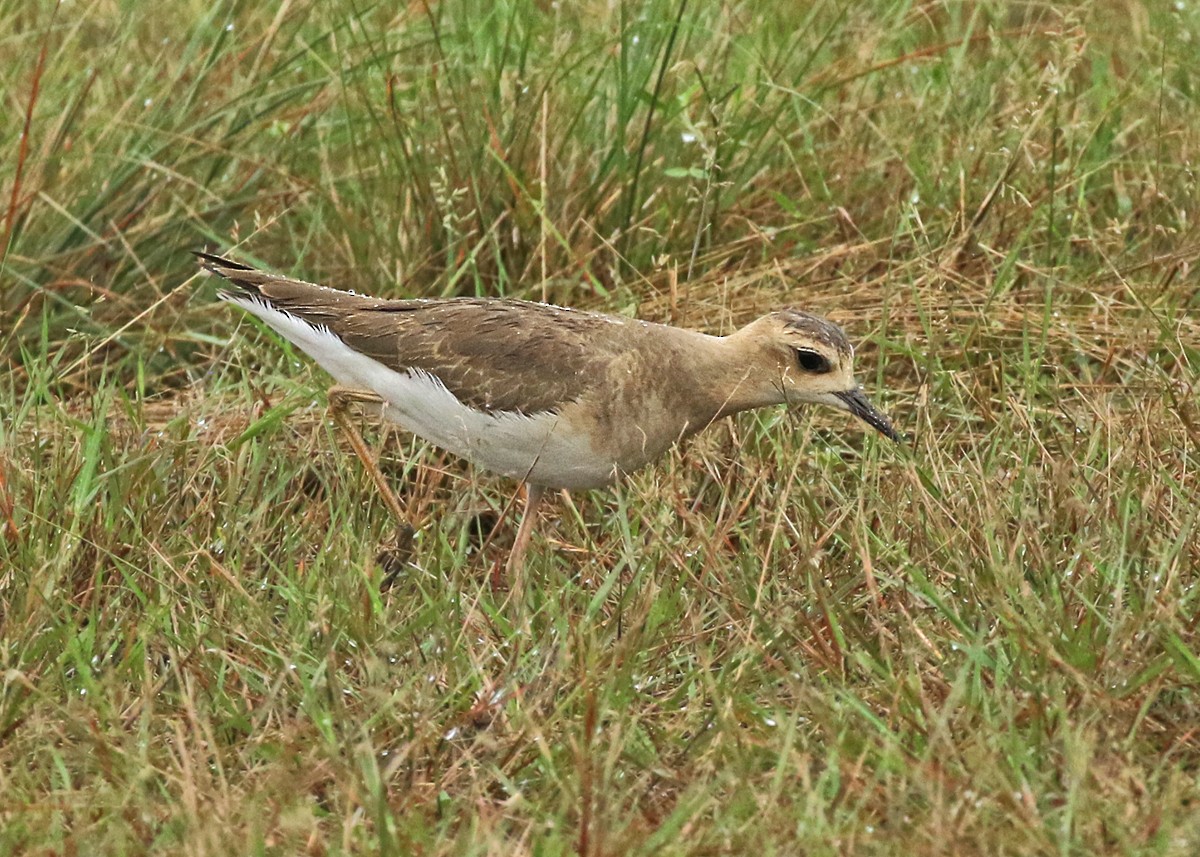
pixel 859 405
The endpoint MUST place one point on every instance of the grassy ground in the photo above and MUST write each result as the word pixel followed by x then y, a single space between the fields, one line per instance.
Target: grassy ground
pixel 788 637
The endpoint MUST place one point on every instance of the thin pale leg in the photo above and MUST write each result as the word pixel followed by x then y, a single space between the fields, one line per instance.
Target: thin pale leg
pixel 516 557
pixel 340 399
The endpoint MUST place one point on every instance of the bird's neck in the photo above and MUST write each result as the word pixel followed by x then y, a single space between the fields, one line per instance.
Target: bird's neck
pixel 724 376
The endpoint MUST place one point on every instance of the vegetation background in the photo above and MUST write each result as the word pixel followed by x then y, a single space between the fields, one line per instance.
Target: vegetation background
pixel 789 637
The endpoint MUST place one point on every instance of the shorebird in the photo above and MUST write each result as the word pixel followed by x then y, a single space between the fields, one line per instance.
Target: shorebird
pixel 555 397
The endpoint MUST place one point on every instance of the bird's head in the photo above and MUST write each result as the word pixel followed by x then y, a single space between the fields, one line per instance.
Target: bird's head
pixel 801 357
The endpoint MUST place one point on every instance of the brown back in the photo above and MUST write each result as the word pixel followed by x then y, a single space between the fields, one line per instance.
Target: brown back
pixel 493 354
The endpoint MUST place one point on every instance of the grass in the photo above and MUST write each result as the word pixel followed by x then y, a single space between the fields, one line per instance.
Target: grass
pixel 788 637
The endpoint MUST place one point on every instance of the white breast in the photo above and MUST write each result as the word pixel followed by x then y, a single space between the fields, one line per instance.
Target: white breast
pixel 540 447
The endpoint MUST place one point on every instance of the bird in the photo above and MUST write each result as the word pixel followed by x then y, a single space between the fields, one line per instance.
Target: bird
pixel 554 397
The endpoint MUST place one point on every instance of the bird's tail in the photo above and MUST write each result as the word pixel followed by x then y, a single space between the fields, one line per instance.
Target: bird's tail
pixel 241 280
pixel 310 316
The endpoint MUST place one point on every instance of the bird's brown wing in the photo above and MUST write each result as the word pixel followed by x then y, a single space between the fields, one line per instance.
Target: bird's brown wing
pixel 492 354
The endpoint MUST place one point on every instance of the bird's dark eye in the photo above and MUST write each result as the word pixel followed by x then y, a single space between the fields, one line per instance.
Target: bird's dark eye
pixel 812 362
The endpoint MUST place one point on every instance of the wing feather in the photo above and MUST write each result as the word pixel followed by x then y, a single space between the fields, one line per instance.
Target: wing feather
pixel 496 355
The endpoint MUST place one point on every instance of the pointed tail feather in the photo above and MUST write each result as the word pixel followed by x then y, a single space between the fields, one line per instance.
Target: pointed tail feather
pixel 234 273
pixel 216 264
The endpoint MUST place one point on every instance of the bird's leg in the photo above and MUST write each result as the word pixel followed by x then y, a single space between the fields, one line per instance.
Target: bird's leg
pixel 340 399
pixel 516 557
